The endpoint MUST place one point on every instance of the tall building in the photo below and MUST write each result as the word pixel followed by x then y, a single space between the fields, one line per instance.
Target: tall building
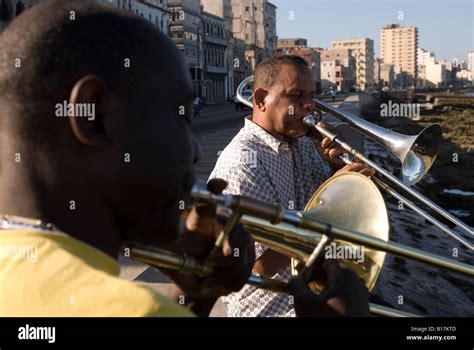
pixel 399 46
pixel 223 9
pixel 156 11
pixel 470 62
pixel 377 67
pixel 338 68
pixel 363 52
pixel 387 75
pixel 435 74
pixel 254 23
pixel 215 63
pixel 186 33
pixel 241 65
pixel 423 56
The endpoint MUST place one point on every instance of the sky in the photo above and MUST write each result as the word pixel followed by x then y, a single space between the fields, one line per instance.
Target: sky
pixel 445 27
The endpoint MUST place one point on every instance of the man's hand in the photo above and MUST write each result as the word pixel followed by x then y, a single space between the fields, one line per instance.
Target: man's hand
pixel 358 168
pixel 331 150
pixel 233 262
pixel 345 294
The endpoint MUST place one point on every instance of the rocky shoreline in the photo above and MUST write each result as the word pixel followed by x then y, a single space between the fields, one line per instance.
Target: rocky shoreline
pixel 423 289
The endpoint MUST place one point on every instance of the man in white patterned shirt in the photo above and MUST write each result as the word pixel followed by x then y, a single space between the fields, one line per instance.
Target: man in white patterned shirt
pixel 271 159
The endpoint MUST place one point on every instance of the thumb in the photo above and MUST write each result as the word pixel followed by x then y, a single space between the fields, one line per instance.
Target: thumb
pixel 215 186
pixel 299 289
pixel 332 268
pixel 306 303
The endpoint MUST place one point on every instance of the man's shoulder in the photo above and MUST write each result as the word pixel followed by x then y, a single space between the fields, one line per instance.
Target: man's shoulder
pixel 142 300
pixel 237 148
pixel 81 273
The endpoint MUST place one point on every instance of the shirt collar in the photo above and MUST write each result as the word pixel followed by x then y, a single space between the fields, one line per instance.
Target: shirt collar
pixel 270 140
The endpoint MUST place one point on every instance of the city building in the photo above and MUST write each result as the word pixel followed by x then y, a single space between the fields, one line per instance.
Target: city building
pixel 215 63
pixel 435 74
pixel 338 69
pixel 387 75
pixel 254 22
pixel 422 58
pixel 223 9
pixel 156 11
pixel 398 46
pixel 464 76
pixel 289 43
pixel 470 61
pixel 186 33
pixel 153 10
pixel 363 52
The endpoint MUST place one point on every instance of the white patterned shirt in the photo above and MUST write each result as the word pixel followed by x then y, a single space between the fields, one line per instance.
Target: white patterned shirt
pixel 257 165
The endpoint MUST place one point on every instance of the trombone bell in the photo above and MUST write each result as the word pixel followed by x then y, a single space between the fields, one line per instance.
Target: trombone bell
pixel 338 201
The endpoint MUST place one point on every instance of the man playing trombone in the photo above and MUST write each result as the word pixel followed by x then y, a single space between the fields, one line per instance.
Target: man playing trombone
pixel 271 159
pixel 74 189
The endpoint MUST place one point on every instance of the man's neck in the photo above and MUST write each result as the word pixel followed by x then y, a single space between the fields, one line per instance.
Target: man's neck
pixel 268 128
pixel 75 211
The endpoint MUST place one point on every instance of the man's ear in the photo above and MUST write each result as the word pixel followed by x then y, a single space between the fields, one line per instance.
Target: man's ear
pixel 259 99
pixel 87 109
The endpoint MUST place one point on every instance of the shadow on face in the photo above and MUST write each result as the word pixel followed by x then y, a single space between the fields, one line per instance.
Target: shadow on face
pixel 164 153
pixel 290 100
pixel 149 149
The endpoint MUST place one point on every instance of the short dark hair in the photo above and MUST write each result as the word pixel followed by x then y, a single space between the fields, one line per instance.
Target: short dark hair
pixel 56 51
pixel 267 71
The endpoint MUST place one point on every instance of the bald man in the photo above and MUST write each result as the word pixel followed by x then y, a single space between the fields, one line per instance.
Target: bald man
pixel 96 153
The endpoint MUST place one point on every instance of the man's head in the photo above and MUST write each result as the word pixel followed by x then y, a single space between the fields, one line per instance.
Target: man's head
pixel 283 92
pixel 132 158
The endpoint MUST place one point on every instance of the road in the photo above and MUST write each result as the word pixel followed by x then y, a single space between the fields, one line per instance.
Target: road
pixel 218 117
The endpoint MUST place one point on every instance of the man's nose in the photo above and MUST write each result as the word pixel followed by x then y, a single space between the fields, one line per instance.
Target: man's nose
pixel 309 105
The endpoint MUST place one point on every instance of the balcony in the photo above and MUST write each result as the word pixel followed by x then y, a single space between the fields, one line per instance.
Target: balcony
pixel 216 69
pixel 215 40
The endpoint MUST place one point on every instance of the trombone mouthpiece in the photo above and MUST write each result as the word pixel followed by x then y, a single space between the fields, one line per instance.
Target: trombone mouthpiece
pixel 310 121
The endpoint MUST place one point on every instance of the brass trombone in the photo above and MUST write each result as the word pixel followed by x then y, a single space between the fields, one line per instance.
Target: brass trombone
pixel 333 212
pixel 417 154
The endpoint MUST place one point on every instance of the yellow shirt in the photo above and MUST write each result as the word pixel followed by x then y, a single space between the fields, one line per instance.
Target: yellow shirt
pixel 53 274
